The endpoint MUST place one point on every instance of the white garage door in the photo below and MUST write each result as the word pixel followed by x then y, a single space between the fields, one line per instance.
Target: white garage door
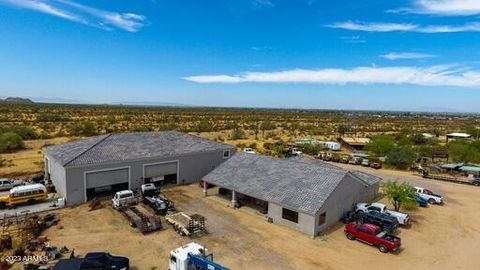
pixel 107 178
pixel 162 169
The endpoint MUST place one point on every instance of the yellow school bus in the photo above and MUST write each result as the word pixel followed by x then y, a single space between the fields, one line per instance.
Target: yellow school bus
pixel 24 194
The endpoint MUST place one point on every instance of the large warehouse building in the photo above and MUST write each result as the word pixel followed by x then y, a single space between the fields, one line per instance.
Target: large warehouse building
pixel 111 162
pixel 305 194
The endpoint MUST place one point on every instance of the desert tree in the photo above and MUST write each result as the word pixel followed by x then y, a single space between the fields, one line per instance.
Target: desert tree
pixel 400 195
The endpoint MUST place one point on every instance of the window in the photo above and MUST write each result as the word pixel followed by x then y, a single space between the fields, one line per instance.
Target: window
pixel 322 218
pixel 290 215
pixel 226 153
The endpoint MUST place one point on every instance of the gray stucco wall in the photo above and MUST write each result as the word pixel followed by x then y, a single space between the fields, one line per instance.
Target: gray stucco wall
pixel 348 193
pixel 192 168
pixel 57 175
pixel 306 223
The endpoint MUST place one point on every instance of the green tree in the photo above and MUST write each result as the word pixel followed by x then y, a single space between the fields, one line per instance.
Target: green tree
pixel 380 145
pixel 418 139
pixel 344 128
pixel 400 195
pixel 401 157
pixel 462 151
pixel 10 141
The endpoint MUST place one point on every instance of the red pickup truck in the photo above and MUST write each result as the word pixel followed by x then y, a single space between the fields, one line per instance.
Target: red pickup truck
pixel 372 235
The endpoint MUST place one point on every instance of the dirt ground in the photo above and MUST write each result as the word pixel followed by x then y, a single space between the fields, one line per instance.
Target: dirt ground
pixel 441 237
pixel 29 160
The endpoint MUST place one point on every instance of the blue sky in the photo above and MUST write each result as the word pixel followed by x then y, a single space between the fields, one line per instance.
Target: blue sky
pixel 328 54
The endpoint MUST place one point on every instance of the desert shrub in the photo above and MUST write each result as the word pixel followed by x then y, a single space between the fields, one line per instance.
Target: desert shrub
pixel 10 141
pixel 85 128
pixel 27 133
pixel 51 117
pixel 204 126
pixel 143 128
pixel 310 149
pixel 238 134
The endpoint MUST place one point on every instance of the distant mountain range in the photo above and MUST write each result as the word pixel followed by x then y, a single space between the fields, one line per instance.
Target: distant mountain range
pixel 17 100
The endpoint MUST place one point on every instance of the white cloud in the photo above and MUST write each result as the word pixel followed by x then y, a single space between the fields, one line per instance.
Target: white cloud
pixel 406 55
pixel 445 7
pixel 73 11
pixel 374 27
pixel 405 27
pixel 429 76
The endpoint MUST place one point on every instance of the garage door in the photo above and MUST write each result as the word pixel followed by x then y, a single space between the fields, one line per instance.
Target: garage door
pixel 107 178
pixel 156 170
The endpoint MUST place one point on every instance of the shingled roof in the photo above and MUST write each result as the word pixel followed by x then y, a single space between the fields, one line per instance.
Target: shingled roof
pixel 117 147
pixel 301 184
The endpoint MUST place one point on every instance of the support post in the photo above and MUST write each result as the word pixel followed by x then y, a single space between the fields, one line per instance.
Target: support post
pixel 234 198
pixel 205 184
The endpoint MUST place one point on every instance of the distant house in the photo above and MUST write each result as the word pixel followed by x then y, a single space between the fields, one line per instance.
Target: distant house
pixel 305 194
pixel 354 143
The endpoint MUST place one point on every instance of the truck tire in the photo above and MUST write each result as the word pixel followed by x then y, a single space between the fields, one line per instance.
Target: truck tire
pixel 350 236
pixel 383 248
pixel 3 205
pixel 431 201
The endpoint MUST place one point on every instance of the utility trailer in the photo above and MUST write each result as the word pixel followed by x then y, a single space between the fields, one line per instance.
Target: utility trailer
pixel 186 225
pixel 141 218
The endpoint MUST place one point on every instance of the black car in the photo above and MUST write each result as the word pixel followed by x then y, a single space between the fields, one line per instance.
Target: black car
pixel 94 261
pixel 385 221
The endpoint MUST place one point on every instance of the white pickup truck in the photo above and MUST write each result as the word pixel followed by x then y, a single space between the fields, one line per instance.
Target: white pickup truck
pixel 248 150
pixel 402 218
pixel 428 195
pixel 124 198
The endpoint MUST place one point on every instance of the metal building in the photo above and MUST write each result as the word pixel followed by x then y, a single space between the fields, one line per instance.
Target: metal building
pixel 107 163
pixel 305 194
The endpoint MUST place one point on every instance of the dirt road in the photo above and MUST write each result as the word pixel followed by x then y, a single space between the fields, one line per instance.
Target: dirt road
pixel 441 237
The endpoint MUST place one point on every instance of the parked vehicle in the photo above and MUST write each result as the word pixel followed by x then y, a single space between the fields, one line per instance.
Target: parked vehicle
pixel 192 256
pixel 7 184
pixel 402 218
pixel 248 150
pixel 365 163
pixel 94 261
pixel 149 189
pixel 376 165
pixel 328 157
pixel 296 152
pixel 422 202
pixel 124 198
pixel 372 235
pixel 385 221
pixel 355 161
pixel 344 159
pixel 427 194
pixel 24 194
